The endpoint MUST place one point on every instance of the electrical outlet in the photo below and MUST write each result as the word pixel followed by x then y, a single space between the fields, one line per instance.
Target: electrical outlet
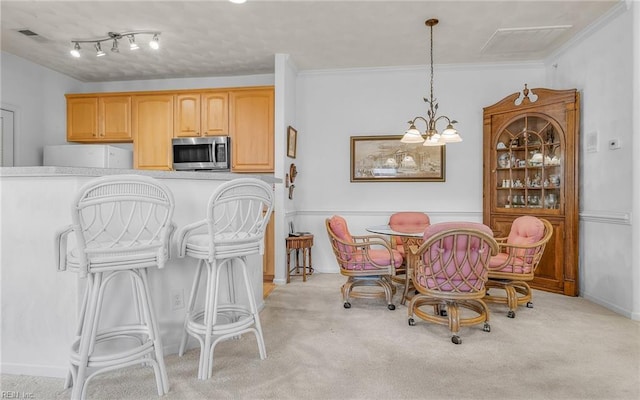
pixel 614 144
pixel 177 299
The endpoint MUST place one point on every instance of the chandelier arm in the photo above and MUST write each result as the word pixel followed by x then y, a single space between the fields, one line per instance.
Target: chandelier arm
pixel 445 117
pixel 413 121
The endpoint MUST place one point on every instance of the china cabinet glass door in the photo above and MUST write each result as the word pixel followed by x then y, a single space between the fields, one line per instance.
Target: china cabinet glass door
pixel 528 164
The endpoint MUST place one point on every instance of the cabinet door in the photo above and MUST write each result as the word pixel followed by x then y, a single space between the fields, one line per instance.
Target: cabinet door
pixel 115 118
pixel 152 130
pixel 187 115
pixel 215 114
pixel 251 130
pixel 82 119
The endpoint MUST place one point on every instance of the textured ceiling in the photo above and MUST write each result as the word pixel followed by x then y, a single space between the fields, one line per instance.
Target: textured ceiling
pixel 218 38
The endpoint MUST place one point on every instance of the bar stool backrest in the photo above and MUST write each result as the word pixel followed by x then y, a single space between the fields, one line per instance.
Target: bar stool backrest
pixel 121 220
pixel 237 217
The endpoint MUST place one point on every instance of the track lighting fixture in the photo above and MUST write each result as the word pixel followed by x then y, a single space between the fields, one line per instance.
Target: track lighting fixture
pixel 115 36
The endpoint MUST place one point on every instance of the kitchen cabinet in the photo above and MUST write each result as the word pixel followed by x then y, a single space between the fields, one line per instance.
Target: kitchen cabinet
pixel 152 126
pixel 530 167
pixel 99 119
pixel 251 129
pixel 152 119
pixel 268 260
pixel 201 114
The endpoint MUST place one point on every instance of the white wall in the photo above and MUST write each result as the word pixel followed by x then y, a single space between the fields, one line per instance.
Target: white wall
pixel 36 95
pixel 334 105
pixel 601 67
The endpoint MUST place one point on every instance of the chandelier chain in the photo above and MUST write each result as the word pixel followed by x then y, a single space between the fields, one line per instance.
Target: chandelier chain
pixel 431 48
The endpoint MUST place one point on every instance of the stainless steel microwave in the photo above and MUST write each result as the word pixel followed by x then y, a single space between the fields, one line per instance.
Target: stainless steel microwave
pixel 202 154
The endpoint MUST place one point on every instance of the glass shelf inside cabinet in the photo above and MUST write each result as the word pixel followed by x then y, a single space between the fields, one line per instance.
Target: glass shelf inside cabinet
pixel 528 165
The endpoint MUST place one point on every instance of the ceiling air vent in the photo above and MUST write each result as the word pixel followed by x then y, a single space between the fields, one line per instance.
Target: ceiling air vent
pixel 32 35
pixel 27 32
pixel 523 40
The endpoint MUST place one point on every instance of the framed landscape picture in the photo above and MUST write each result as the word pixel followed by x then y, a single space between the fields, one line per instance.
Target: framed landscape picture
pixel 386 159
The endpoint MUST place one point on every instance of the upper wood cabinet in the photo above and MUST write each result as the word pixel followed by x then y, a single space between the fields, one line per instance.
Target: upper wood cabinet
pixel 152 126
pixel 531 168
pixel 201 114
pixel 151 119
pixel 99 118
pixel 251 130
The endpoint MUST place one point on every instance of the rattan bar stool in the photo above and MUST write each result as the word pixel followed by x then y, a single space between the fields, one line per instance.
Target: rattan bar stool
pixel 237 217
pixel 122 227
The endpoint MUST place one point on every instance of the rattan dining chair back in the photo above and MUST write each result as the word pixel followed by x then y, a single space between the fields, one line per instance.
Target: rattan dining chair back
pixel 451 273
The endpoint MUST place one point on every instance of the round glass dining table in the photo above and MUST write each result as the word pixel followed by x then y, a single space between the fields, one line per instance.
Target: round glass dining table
pixel 413 237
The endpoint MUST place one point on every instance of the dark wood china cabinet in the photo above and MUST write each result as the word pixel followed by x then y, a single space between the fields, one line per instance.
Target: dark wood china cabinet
pixel 530 165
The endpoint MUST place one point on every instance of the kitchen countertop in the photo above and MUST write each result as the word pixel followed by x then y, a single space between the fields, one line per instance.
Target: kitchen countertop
pixel 82 171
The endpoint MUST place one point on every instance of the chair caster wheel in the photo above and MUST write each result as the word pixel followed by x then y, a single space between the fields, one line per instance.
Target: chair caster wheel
pixel 443 313
pixel 529 304
pixel 456 339
pixel 347 304
pixel 412 322
pixel 391 307
pixel 486 327
pixel 511 314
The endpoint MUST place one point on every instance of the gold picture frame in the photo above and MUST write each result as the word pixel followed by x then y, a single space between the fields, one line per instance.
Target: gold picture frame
pixel 292 142
pixel 386 159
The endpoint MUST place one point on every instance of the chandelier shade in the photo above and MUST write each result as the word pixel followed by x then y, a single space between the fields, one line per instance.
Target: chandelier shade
pixel 431 136
pixel 115 36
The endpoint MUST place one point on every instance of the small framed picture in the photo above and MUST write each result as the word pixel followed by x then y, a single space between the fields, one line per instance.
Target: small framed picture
pixel 292 139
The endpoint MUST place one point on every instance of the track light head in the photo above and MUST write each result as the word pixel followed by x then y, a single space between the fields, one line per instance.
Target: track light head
pixel 154 43
pixel 132 43
pixel 99 52
pixel 76 50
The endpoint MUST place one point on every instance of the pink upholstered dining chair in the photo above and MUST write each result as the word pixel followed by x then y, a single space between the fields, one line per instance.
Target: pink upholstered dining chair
pixel 407 221
pixel 517 260
pixel 450 273
pixel 365 260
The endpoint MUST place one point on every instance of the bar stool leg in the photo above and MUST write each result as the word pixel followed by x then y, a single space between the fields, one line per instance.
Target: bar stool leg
pixel 190 307
pixel 254 309
pixel 162 380
pixel 87 337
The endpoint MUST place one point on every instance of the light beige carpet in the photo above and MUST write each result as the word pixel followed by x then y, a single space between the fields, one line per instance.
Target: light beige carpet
pixel 564 348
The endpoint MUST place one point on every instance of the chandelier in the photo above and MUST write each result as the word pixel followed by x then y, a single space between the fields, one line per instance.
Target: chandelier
pixel 431 136
pixel 115 36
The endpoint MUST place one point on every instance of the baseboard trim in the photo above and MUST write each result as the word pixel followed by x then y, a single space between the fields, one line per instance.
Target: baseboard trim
pixel 49 371
pixel 610 306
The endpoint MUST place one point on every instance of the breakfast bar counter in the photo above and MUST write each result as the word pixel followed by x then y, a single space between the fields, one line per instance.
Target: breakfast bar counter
pixel 39 304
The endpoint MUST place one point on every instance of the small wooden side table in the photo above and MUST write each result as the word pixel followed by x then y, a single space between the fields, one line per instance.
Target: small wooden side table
pixel 296 244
